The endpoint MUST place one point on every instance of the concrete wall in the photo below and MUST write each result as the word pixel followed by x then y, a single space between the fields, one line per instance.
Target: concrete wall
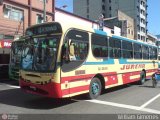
pixel 94 8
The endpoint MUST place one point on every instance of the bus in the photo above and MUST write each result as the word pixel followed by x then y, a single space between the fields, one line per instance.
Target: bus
pixel 61 60
pixel 15 58
pixel 5 45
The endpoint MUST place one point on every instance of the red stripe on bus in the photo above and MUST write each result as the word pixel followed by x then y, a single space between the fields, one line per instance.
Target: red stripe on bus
pixel 76 78
pixel 75 90
pixel 152 70
pixel 85 77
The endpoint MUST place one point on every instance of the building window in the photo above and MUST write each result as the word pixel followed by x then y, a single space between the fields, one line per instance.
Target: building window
pixel 110 8
pixel 143 3
pixel 143 12
pixel 143 29
pixel 129 31
pixel 138 36
pixel 109 1
pixel 88 16
pixel 138 27
pixel 132 32
pixel 87 2
pixel 12 13
pixel 104 15
pixel 143 21
pixel 138 8
pixel 39 19
pixel 87 9
pixel 103 7
pixel 141 37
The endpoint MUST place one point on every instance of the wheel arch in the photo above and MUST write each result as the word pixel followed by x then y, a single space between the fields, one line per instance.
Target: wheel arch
pixel 101 78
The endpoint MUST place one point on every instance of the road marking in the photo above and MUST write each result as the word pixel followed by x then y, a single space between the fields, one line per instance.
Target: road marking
pixel 13 86
pixel 125 106
pixel 150 101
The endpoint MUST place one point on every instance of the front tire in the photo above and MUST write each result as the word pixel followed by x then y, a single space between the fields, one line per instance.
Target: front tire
pixel 95 88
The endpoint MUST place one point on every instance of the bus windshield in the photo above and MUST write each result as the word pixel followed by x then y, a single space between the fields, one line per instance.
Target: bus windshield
pixel 39 54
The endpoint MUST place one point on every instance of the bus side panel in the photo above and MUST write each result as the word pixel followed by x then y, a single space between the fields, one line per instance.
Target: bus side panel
pixel 74 85
pixel 131 77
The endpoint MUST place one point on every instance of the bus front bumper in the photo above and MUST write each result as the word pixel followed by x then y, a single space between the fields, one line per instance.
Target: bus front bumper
pixel 51 89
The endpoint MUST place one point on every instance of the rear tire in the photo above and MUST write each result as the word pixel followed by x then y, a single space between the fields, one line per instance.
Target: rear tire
pixel 95 88
pixel 142 78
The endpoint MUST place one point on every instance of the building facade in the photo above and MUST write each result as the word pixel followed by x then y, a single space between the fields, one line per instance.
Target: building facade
pixel 124 22
pixel 152 39
pixel 136 9
pixel 17 15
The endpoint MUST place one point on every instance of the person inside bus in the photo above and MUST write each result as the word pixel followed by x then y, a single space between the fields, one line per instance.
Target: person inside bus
pixel 72 56
pixel 96 52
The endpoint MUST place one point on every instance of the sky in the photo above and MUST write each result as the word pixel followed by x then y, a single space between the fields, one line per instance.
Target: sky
pixel 153 13
pixel 154 17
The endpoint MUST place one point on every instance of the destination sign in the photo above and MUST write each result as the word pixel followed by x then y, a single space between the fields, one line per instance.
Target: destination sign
pixel 50 28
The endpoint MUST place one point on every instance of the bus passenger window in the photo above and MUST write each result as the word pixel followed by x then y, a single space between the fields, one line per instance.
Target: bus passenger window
pixel 115 48
pixel 99 45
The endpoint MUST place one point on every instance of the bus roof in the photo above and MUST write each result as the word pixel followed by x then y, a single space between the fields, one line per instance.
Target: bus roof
pixel 134 41
pixel 65 27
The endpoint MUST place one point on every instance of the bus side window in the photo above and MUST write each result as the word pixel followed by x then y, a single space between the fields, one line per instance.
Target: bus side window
pixel 74 50
pixel 96 52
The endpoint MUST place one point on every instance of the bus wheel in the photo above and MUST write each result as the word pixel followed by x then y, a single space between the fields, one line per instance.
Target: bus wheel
pixel 142 78
pixel 95 88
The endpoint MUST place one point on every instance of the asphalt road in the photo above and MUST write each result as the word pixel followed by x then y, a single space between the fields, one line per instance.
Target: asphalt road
pixel 127 99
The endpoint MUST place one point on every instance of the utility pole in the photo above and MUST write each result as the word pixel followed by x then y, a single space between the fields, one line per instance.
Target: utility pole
pixel 44 14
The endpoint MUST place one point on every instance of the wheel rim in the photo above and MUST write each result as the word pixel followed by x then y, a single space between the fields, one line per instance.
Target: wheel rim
pixel 95 88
